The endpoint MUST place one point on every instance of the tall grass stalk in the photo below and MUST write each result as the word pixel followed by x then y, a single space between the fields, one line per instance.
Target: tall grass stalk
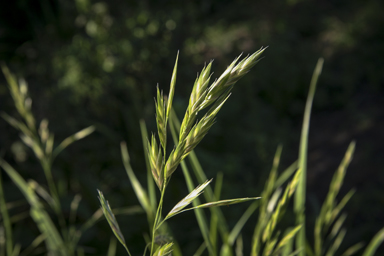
pixel 270 237
pixel 62 240
pixel 300 196
pixel 191 133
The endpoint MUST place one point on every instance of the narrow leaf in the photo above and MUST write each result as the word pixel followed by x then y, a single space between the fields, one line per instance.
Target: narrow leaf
pixel 112 220
pixel 69 140
pixel 353 249
pixel 286 239
pixel 164 250
pixel 172 87
pixel 35 243
pixel 222 203
pixel 141 194
pixel 150 181
pixel 375 242
pixel 336 243
pixel 299 202
pixel 187 200
pixel 53 240
pixel 112 247
pixel 241 222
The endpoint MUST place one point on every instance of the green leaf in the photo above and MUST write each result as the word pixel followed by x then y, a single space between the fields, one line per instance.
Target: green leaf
pixel 150 181
pixel 299 202
pixel 35 243
pixel 375 242
pixel 141 194
pixel 69 140
pixel 225 202
pixel 353 249
pixel 287 238
pixel 336 243
pixel 241 222
pixel 112 247
pixel 112 220
pixel 164 250
pixel 172 88
pixel 284 176
pixel 178 208
pixel 53 240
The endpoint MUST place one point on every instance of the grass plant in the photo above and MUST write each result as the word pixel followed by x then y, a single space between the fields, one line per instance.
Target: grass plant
pixel 61 239
pixel 190 134
pixel 269 238
pixel 283 191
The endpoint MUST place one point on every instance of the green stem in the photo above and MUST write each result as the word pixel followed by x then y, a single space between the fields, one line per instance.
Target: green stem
pixel 51 184
pixel 45 163
pixel 158 216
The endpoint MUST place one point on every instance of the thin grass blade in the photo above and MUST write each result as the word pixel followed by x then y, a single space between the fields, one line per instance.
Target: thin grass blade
pixel 164 250
pixel 96 216
pixel 35 243
pixel 221 203
pixel 53 240
pixel 213 229
pixel 270 245
pixel 178 208
pixel 288 247
pixel 375 242
pixel 42 193
pixel 270 184
pixel 200 250
pixel 73 209
pixel 336 244
pixel 239 246
pixel 287 238
pixel 112 247
pixel 334 188
pixel 353 249
pixel 284 176
pixel 340 206
pixel 337 226
pixel 141 194
pixel 299 202
pixel 112 220
pixel 17 124
pixel 241 222
pixel 16 250
pixel 150 181
pixel 172 88
pixel 69 140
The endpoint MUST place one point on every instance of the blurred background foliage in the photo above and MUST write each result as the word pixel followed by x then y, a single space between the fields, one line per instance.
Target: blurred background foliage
pixel 98 63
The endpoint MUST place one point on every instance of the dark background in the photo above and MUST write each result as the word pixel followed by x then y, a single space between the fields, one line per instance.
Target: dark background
pixel 98 63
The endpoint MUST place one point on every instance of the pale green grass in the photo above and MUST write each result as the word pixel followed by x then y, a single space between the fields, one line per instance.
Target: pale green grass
pixel 59 240
pixel 300 196
pixel 191 133
pixel 270 237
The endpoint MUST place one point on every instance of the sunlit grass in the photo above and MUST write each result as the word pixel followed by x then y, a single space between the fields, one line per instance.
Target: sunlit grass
pixel 284 191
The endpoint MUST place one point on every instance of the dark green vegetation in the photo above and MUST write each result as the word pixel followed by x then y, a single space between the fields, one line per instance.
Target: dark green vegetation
pixel 98 64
